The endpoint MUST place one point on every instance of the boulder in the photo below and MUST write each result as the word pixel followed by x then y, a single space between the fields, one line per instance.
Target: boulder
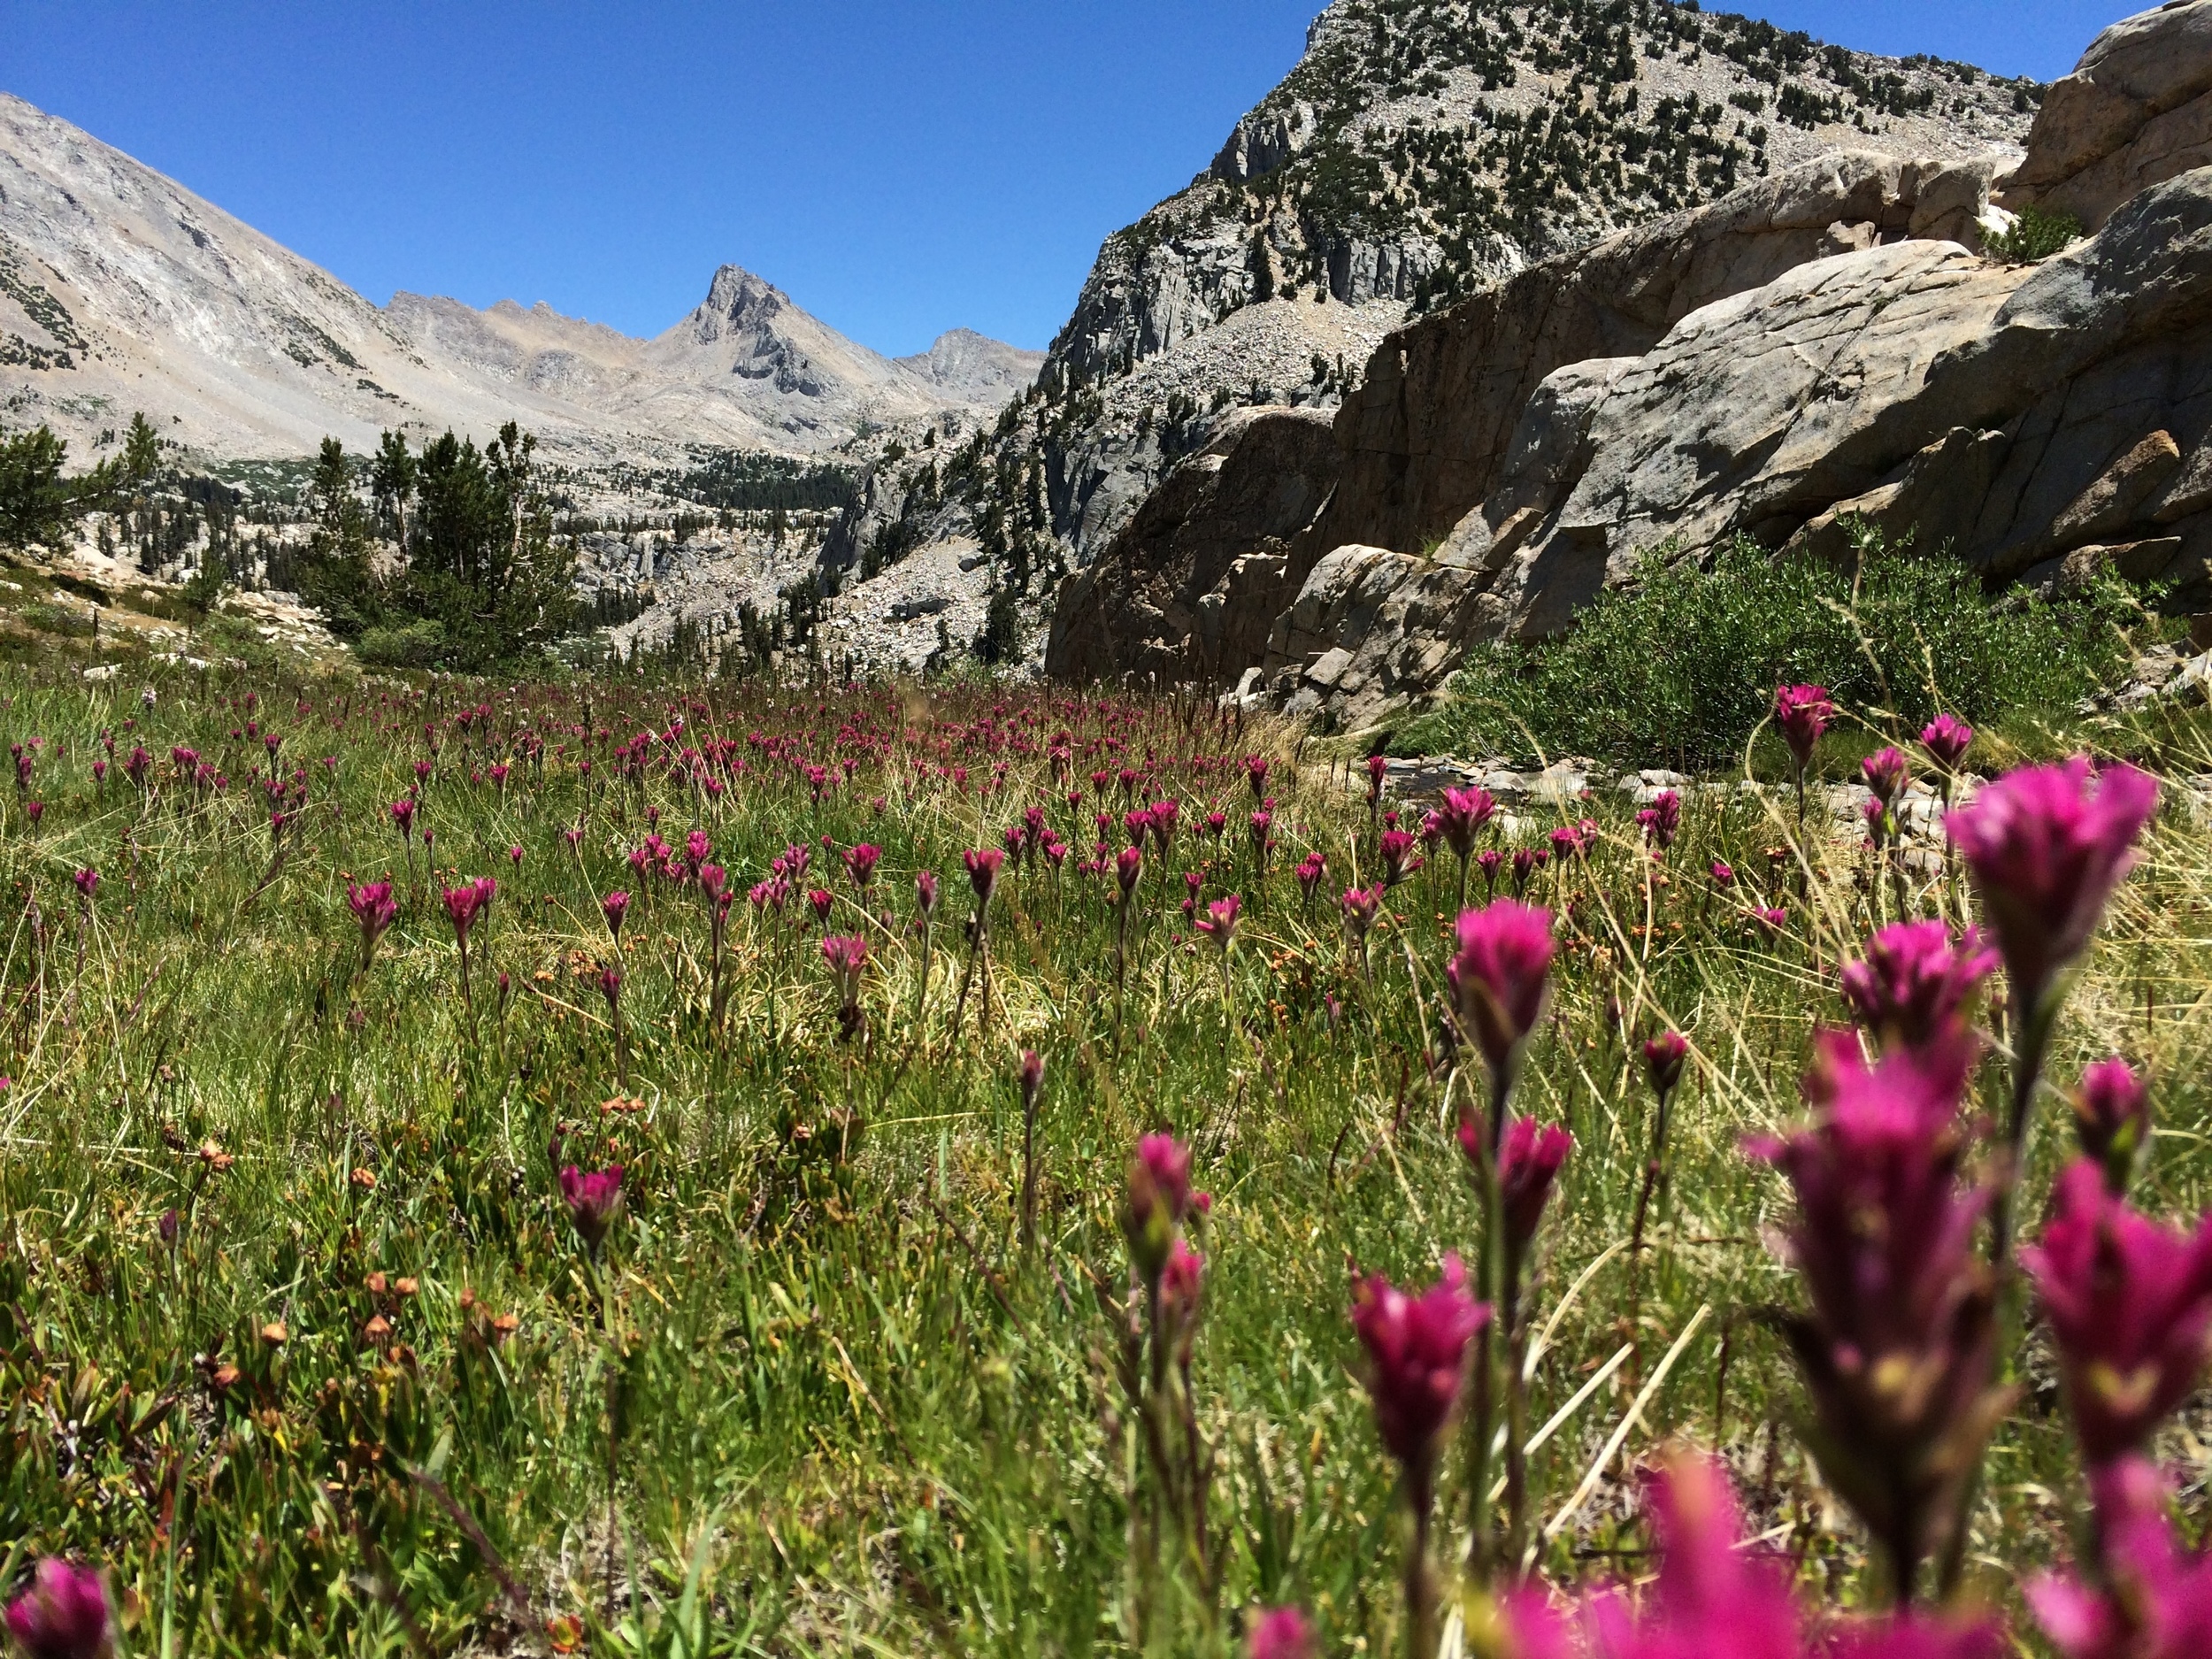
pixel 2136 111
pixel 1425 435
pixel 1754 414
pixel 2042 422
pixel 1369 631
pixel 1188 587
pixel 2017 416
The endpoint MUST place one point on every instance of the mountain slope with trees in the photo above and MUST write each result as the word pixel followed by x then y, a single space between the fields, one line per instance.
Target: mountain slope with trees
pixel 1421 149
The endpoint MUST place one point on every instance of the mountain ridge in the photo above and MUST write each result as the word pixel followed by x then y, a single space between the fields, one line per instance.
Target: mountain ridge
pixel 120 289
pixel 1419 151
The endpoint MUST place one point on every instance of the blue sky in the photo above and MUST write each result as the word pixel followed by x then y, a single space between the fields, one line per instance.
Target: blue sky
pixel 899 166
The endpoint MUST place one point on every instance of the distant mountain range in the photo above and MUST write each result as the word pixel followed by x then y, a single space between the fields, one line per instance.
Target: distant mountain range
pixel 121 290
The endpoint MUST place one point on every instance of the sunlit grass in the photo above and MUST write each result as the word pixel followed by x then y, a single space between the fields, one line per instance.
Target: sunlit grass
pixel 844 1395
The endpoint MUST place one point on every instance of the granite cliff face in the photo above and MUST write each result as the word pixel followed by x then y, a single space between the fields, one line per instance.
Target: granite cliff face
pixel 1420 151
pixel 119 289
pixel 2136 111
pixel 1827 350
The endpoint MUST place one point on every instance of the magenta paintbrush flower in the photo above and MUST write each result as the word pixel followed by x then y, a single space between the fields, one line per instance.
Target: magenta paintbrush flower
pixel 1803 713
pixel 1946 740
pixel 374 909
pixel 983 867
pixel 2130 1304
pixel 1886 773
pixel 926 893
pixel 1219 923
pixel 2046 846
pixel 1311 869
pixel 1915 983
pixel 1128 865
pixel 847 954
pixel 1713 1597
pixel 1663 1056
pixel 1398 861
pixel 462 904
pixel 1487 861
pixel 1164 814
pixel 1718 1596
pixel 1464 816
pixel 1280 1632
pixel 2112 1119
pixel 1360 906
pixel 1416 1357
pixel 1180 1280
pixel 1661 821
pixel 403 816
pixel 860 864
pixel 1529 1161
pixel 1159 1197
pixel 1895 1350
pixel 614 907
pixel 1499 974
pixel 2154 1599
pixel 63 1615
pixel 594 1201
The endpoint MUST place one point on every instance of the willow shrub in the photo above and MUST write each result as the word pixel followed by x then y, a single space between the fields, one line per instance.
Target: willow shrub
pixel 1680 667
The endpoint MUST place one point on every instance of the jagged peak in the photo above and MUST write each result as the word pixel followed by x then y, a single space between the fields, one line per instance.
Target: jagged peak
pixel 739 296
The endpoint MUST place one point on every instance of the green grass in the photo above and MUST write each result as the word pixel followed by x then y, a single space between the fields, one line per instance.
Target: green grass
pixel 852 1414
pixel 1680 668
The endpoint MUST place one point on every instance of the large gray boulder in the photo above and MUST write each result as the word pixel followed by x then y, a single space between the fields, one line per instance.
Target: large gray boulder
pixel 1187 590
pixel 2042 422
pixel 1426 434
pixel 2016 415
pixel 1751 415
pixel 1369 629
pixel 2137 111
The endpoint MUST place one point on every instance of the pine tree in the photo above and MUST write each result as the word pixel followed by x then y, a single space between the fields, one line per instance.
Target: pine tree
pixel 392 483
pixel 35 509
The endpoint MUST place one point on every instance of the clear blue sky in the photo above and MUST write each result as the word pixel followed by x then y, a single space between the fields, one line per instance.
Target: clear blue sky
pixel 898 166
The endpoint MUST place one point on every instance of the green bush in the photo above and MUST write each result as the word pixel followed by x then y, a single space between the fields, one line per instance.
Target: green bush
pixel 2034 235
pixel 1682 666
pixel 417 645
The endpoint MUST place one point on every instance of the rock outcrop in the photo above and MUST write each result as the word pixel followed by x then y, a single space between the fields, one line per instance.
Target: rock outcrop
pixel 1426 433
pixel 1189 588
pixel 1817 357
pixel 1753 415
pixel 2137 111
pixel 2040 423
pixel 1369 629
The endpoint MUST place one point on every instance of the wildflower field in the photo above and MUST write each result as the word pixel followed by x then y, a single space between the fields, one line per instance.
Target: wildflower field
pixel 647 1168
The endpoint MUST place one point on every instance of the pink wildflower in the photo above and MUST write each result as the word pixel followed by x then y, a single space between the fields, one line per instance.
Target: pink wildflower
pixel 2129 1303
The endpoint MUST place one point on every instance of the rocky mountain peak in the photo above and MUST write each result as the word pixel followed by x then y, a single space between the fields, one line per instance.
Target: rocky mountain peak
pixel 121 289
pixel 736 299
